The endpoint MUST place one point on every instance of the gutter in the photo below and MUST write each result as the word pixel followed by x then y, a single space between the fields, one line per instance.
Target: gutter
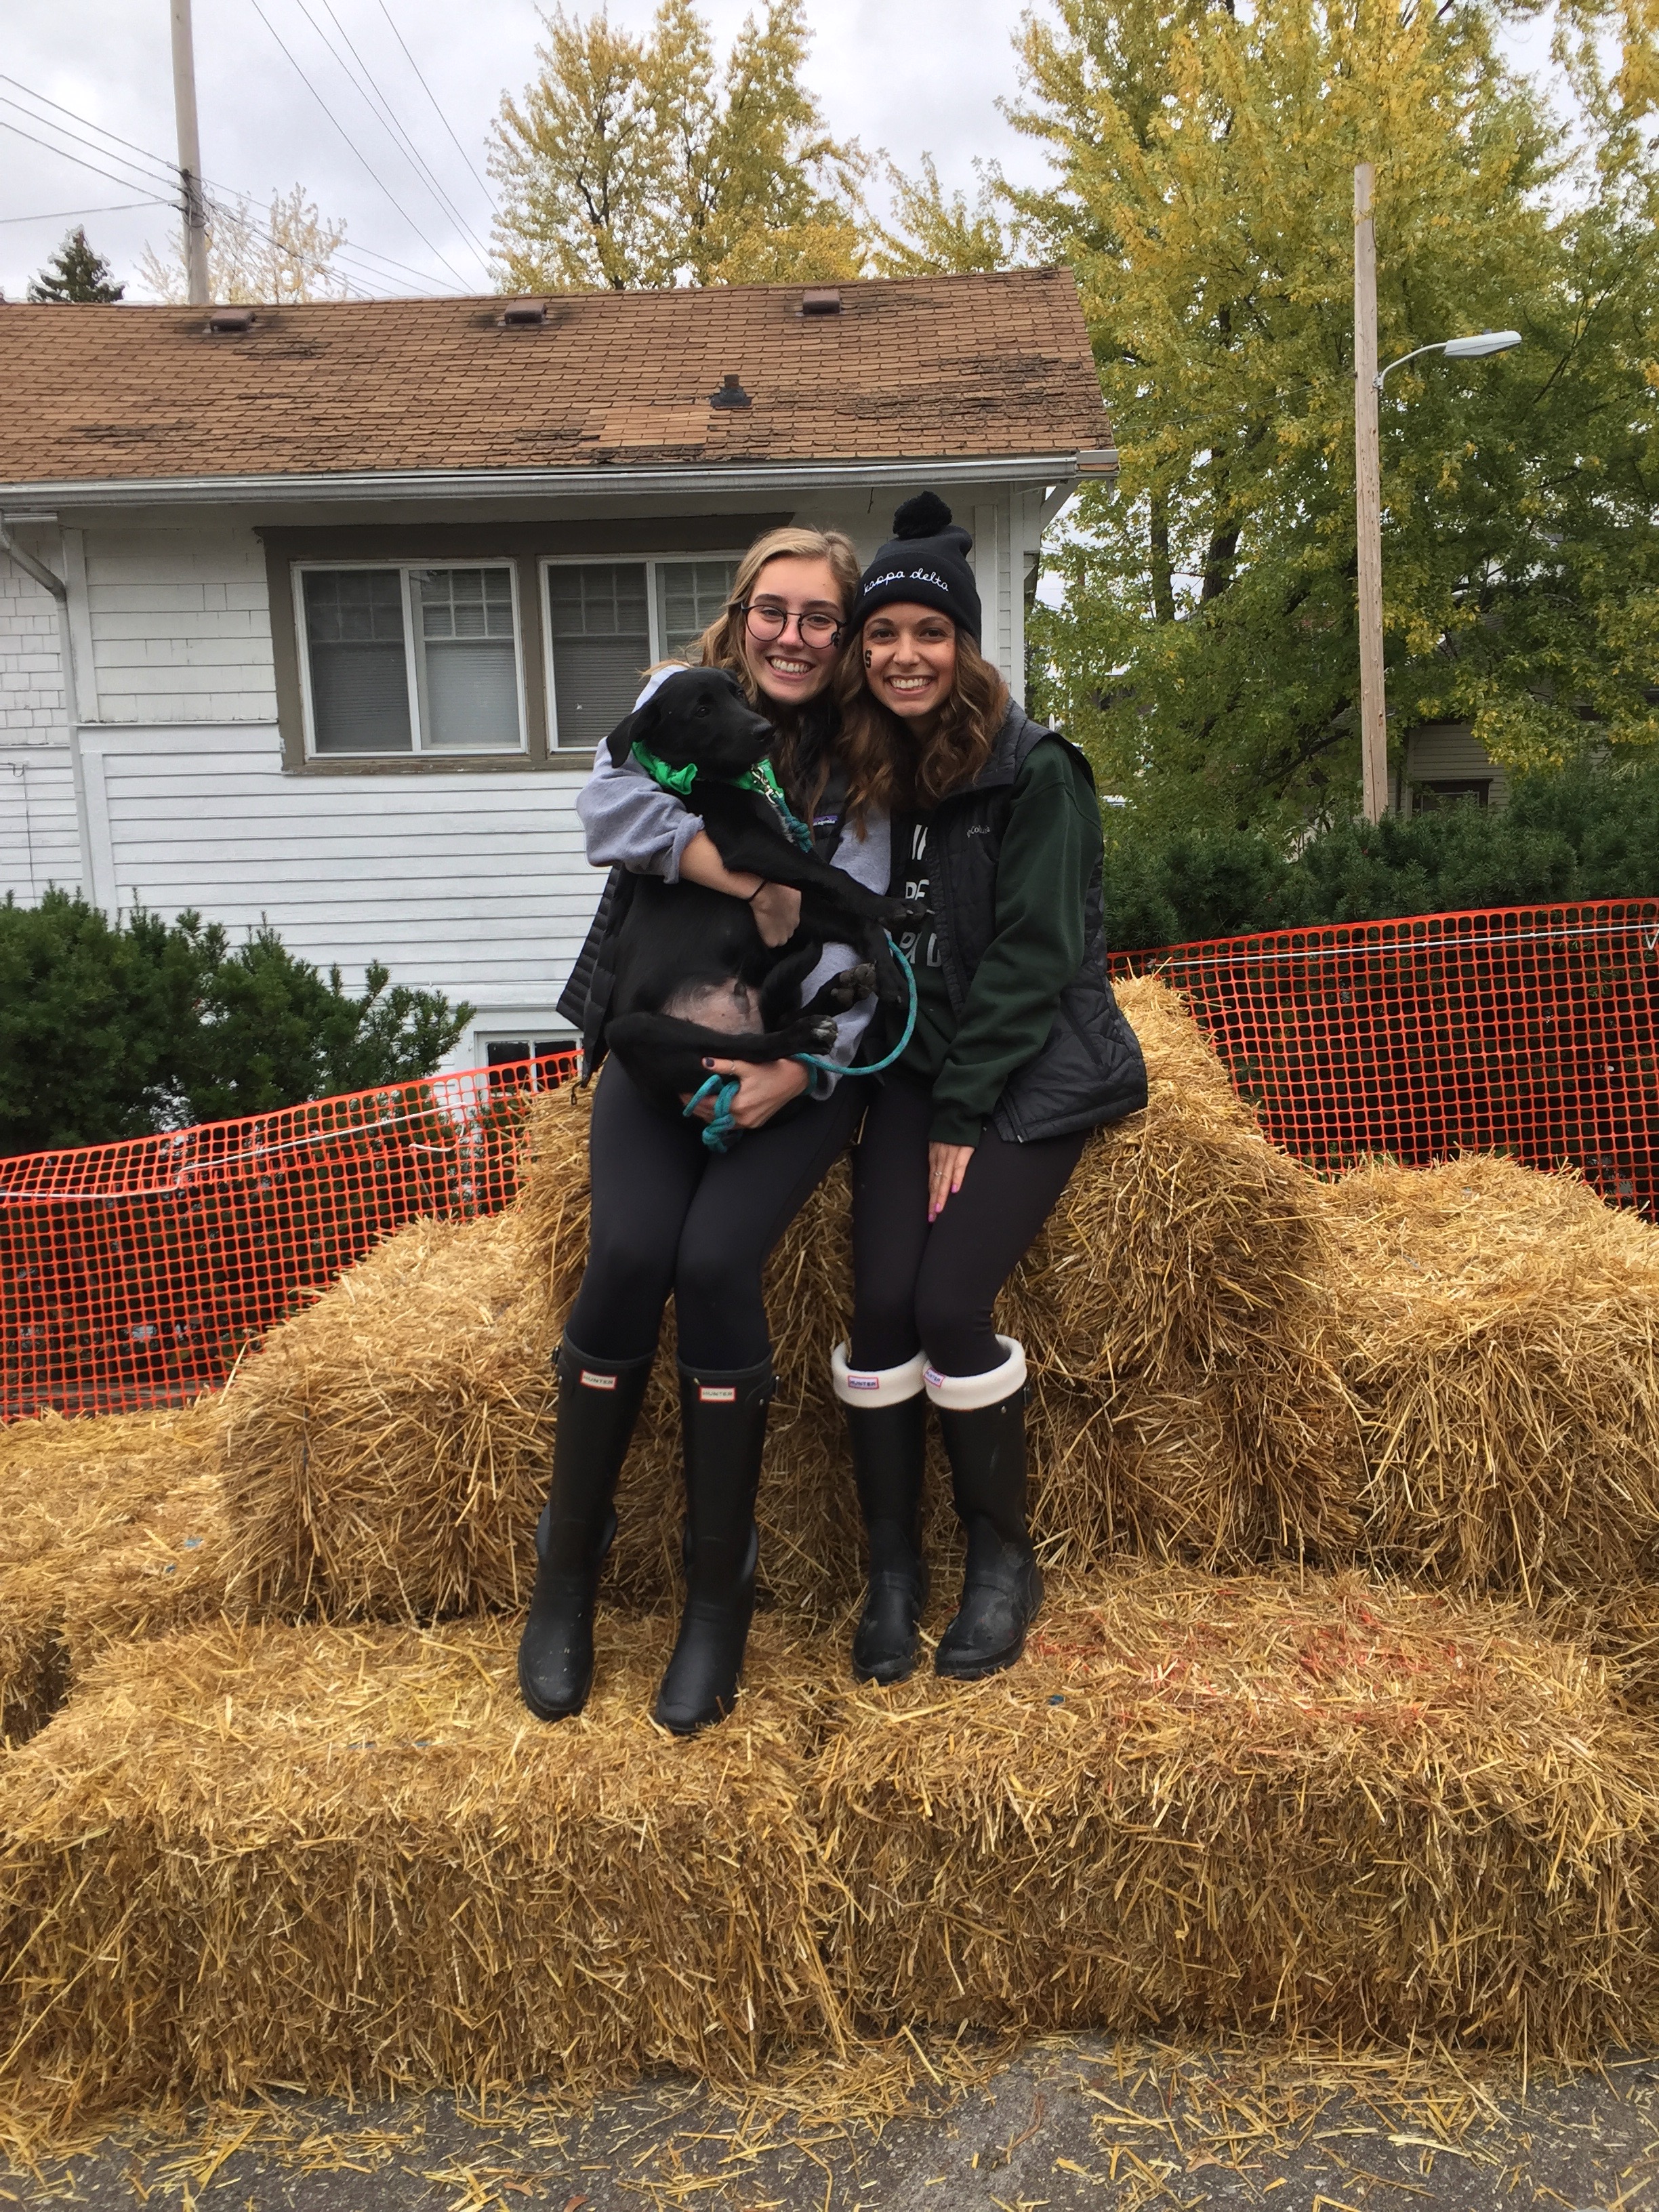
pixel 358 485
pixel 50 581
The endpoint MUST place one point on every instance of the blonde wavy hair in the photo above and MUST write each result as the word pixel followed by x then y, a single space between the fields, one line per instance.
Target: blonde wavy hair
pixel 890 769
pixel 801 754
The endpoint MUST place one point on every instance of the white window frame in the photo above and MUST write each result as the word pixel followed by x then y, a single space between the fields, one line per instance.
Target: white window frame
pixel 417 750
pixel 650 563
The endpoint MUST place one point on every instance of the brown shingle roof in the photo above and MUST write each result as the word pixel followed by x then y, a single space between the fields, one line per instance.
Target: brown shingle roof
pixel 967 367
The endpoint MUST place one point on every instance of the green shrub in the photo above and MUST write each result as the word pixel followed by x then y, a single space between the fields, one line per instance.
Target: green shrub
pixel 1584 832
pixel 111 1031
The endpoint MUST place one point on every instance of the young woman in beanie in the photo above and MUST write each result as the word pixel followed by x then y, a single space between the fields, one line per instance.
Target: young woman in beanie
pixel 1018 1051
pixel 668 1214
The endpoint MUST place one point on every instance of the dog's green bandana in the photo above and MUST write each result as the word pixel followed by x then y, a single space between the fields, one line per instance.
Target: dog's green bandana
pixel 759 778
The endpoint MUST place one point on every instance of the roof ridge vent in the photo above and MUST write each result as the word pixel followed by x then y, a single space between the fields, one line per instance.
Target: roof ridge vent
pixel 524 315
pixel 730 394
pixel 230 322
pixel 821 300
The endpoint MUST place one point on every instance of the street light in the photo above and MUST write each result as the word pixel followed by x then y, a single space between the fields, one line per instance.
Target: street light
pixel 1368 482
pixel 1471 349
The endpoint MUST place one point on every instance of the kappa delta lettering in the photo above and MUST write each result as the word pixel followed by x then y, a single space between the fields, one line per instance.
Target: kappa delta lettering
pixel 920 945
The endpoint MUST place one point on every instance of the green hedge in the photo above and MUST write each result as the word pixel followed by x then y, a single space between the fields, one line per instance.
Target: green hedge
pixel 111 1030
pixel 1587 832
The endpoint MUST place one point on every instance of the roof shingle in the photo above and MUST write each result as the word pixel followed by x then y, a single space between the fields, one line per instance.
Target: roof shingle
pixel 967 367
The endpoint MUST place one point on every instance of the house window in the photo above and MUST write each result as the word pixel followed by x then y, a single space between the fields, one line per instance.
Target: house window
pixel 411 660
pixel 505 1057
pixel 1451 791
pixel 608 620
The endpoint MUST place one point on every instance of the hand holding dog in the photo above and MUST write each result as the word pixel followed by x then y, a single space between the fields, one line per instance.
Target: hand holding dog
pixel 763 1087
pixel 776 909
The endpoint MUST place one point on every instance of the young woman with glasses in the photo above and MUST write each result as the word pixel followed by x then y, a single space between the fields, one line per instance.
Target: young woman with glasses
pixel 668 1214
pixel 1018 1051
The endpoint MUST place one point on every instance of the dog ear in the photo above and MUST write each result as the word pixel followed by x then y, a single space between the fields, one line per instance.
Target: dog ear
pixel 620 742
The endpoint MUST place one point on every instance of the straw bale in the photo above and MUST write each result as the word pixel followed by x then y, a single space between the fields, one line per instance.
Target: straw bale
pixel 1176 1313
pixel 342 1859
pixel 109 1527
pixel 387 1448
pixel 1253 1804
pixel 1502 1351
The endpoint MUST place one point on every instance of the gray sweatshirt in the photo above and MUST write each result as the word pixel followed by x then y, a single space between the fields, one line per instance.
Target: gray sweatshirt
pixel 631 822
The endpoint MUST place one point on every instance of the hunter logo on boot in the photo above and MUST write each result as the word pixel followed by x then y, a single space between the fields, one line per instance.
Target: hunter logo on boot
pixel 593 1381
pixel 714 1394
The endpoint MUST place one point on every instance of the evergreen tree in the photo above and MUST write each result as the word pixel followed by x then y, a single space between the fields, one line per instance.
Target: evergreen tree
pixel 74 276
pixel 111 1031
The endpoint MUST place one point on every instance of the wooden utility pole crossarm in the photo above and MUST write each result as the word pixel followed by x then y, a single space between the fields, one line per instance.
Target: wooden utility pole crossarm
pixel 1368 502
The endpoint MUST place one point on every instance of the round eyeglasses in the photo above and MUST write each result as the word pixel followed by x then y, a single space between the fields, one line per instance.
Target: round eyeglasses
pixel 766 619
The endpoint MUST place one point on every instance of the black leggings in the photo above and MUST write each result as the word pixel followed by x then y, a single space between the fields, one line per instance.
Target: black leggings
pixel 932 1290
pixel 670 1215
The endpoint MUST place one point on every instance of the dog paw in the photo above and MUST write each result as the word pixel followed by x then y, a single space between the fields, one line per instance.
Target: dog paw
pixel 820 1034
pixel 854 984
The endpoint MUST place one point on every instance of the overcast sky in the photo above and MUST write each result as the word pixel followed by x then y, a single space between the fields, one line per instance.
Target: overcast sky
pixel 924 75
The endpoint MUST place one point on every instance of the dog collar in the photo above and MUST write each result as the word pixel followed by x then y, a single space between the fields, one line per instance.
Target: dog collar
pixel 759 778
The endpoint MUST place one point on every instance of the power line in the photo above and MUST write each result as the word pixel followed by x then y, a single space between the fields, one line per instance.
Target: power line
pixel 353 144
pixel 63 154
pixel 365 254
pixel 482 186
pixel 402 144
pixel 68 214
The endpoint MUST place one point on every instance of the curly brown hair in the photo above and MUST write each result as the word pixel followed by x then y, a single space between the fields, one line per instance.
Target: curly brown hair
pixel 889 769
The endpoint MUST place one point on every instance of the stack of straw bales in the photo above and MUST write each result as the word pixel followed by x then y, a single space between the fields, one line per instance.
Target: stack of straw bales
pixel 343 1858
pixel 388 1448
pixel 1304 1806
pixel 108 1529
pixel 1502 1351
pixel 1313 1806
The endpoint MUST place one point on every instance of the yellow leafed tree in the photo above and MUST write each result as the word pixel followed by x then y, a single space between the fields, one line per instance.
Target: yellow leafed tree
pixel 632 162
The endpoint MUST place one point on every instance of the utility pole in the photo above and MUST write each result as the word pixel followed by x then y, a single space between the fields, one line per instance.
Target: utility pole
pixel 1368 502
pixel 192 205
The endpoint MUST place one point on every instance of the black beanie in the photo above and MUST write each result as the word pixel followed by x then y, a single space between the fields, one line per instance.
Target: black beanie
pixel 924 563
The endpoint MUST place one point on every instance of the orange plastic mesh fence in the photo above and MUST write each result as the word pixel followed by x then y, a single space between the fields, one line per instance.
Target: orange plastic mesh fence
pixel 1528 1030
pixel 135 1273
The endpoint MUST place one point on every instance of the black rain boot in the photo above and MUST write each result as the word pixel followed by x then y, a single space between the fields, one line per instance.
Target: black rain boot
pixel 983 1421
pixel 723 1417
pixel 599 1401
pixel 887 1428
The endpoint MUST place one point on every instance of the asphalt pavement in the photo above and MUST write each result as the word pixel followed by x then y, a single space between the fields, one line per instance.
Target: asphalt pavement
pixel 1070 2122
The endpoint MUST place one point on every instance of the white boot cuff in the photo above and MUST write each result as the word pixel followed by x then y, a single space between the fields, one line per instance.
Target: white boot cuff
pixel 966 1393
pixel 875 1385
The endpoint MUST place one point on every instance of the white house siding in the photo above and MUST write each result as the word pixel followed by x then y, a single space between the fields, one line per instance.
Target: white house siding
pixel 476 885
pixel 30 658
pixel 38 844
pixel 181 625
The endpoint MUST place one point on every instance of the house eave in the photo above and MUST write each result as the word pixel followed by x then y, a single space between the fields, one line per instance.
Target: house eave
pixel 617 480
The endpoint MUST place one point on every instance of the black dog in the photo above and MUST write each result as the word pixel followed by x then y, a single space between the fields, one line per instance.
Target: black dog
pixel 694 979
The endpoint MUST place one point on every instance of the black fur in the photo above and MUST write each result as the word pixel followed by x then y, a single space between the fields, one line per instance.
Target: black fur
pixel 685 950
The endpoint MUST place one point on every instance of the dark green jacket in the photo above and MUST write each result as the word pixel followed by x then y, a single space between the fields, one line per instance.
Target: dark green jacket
pixel 1017 1022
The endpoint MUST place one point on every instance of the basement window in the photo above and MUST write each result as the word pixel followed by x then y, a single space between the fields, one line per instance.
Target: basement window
pixel 411 659
pixel 610 621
